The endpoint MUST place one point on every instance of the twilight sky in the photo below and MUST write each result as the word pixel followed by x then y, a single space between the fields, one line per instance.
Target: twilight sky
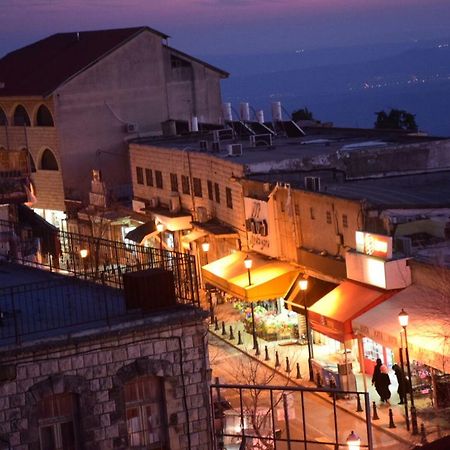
pixel 204 27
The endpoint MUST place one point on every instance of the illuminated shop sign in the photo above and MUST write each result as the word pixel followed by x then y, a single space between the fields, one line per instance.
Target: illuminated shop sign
pixel 374 244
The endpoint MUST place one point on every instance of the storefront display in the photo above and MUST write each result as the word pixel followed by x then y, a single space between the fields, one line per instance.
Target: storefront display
pixel 272 322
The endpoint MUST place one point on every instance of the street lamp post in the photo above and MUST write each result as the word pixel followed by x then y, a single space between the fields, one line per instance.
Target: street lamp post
pixel 303 287
pixel 83 254
pixel 403 318
pixel 160 229
pixel 205 248
pixel 248 262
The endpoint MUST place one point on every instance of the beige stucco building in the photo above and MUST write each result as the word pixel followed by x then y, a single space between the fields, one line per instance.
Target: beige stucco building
pixel 74 99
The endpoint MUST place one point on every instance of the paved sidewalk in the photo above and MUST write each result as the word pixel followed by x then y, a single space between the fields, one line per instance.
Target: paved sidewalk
pixel 299 354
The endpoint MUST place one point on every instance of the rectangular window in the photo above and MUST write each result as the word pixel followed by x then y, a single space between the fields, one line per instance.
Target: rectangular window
pixel 185 187
pixel 229 198
pixel 158 179
pixel 311 213
pixel 173 182
pixel 217 192
pixel 344 220
pixel 140 175
pixel 328 217
pixel 148 177
pixel 297 209
pixel 56 417
pixel 210 190
pixel 197 187
pixel 144 408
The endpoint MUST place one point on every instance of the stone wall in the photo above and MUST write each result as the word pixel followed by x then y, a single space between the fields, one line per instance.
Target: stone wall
pixel 96 367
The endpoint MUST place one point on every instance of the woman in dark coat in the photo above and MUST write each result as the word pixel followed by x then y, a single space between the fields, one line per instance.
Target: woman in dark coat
pixel 382 385
pixel 402 383
pixel 376 371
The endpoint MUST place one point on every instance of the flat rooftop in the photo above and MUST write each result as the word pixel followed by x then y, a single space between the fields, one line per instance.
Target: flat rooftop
pixel 39 305
pixel 318 142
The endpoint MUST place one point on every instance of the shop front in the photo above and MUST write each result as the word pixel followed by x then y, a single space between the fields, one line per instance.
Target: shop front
pixel 254 296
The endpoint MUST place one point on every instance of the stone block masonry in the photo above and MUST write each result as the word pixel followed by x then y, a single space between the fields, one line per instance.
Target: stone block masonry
pixel 95 367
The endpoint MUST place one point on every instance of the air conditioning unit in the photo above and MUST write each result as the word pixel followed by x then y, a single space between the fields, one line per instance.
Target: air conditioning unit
pixel 154 202
pixel 131 127
pixel 234 149
pixel 174 203
pixel 261 140
pixel 203 146
pixel 202 214
pixel 312 183
pixel 263 229
pixel 403 244
pixel 226 134
pixel 138 205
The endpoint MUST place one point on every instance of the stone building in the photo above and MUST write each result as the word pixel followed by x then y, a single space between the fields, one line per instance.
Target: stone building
pixel 72 100
pixel 80 375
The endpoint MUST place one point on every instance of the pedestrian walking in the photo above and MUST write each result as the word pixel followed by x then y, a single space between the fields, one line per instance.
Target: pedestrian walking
pixel 383 385
pixel 402 383
pixel 376 372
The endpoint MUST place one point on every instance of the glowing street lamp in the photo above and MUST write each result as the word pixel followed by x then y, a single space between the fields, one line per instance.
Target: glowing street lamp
pixel 248 262
pixel 83 253
pixel 205 248
pixel 303 284
pixel 353 441
pixel 160 229
pixel 403 319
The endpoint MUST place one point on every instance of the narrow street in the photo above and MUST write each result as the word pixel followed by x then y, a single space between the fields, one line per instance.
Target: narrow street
pixel 232 366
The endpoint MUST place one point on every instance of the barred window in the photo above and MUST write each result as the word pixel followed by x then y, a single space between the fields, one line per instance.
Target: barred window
pixel 149 177
pixel 140 175
pixel 210 190
pixel 229 198
pixel 344 220
pixel 328 217
pixel 185 187
pixel 197 187
pixel 217 192
pixel 173 182
pixel 158 179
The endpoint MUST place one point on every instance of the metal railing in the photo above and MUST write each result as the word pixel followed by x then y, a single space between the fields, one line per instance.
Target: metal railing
pixel 266 417
pixel 96 259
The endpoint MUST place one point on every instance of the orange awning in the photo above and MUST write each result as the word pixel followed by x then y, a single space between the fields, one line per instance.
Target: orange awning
pixel 332 315
pixel 269 278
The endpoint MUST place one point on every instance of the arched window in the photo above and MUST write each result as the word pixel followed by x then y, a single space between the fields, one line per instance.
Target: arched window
pixel 26 160
pixel 3 118
pixel 57 415
pixel 48 161
pixel 44 117
pixel 21 116
pixel 145 413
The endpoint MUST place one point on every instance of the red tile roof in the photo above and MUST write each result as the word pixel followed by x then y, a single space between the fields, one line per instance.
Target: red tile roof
pixel 39 68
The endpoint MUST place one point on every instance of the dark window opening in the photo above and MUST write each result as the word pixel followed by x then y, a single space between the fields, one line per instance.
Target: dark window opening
pixel 3 118
pixel 344 220
pixel 148 177
pixel 217 192
pixel 229 198
pixel 311 213
pixel 210 190
pixel 173 182
pixel 185 187
pixel 158 179
pixel 176 62
pixel 44 117
pixel 197 187
pixel 21 117
pixel 328 217
pixel 48 161
pixel 140 175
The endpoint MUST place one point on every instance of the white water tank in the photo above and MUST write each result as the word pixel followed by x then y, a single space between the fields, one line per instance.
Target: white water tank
pixel 276 112
pixel 244 111
pixel 260 116
pixel 194 124
pixel 226 110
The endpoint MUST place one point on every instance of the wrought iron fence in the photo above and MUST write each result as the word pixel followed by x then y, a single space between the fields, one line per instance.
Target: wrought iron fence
pixel 97 259
pixel 266 417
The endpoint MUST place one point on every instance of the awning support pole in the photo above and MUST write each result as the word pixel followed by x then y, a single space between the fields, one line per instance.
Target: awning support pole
pixel 255 343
